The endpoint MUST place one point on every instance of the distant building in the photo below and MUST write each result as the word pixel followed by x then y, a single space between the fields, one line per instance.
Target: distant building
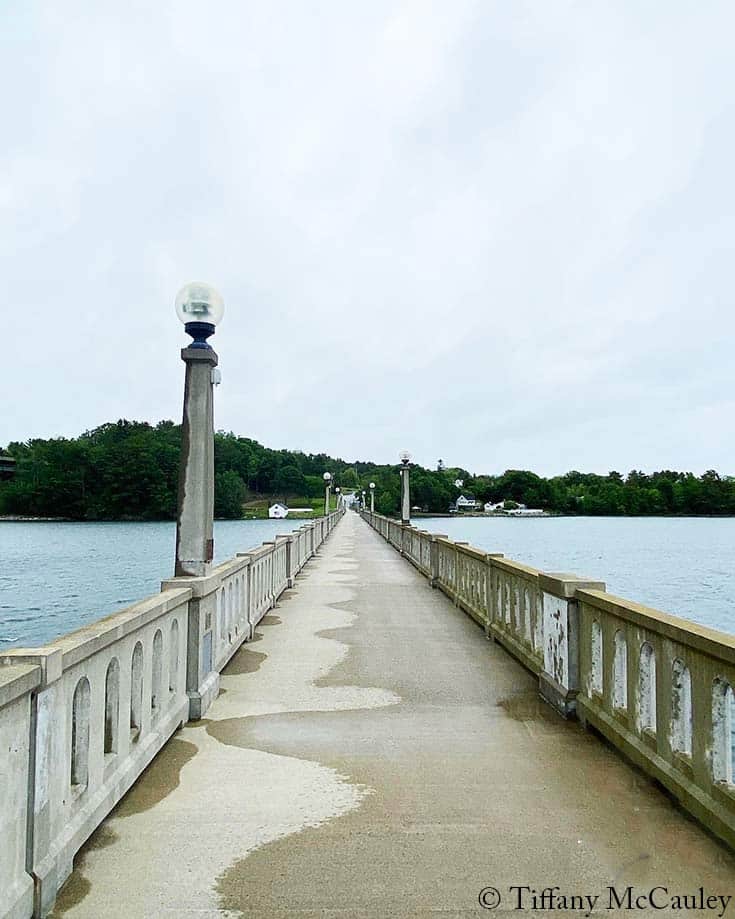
pixel 7 467
pixel 278 511
pixel 519 511
pixel 464 503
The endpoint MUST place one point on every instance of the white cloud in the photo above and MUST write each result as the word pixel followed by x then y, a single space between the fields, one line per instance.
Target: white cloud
pixel 496 233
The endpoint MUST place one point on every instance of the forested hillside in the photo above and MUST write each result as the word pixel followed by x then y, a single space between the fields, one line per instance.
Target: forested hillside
pixel 129 471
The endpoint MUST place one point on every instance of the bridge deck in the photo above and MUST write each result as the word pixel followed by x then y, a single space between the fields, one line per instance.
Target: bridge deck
pixel 372 754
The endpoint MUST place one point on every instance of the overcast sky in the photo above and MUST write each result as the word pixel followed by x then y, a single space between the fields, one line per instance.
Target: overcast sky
pixel 498 233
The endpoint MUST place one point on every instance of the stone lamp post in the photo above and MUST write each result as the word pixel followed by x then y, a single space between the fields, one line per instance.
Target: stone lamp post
pixel 327 482
pixel 405 458
pixel 200 307
pixel 372 497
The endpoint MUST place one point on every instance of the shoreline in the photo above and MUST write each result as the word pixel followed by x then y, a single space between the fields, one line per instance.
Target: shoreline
pixel 423 516
pixel 18 518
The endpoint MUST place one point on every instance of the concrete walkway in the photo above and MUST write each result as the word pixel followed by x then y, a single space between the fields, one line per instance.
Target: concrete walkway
pixel 373 755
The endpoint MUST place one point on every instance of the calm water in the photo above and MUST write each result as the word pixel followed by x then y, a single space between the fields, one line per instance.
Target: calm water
pixel 681 565
pixel 55 577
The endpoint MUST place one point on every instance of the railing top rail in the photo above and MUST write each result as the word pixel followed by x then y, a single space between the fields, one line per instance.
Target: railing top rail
pixel 232 565
pixel 513 567
pixel 479 554
pixel 709 641
pixel 17 680
pixel 82 643
pixel 258 551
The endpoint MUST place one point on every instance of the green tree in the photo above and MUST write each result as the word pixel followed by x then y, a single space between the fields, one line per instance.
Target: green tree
pixel 229 494
pixel 289 480
pixel 349 478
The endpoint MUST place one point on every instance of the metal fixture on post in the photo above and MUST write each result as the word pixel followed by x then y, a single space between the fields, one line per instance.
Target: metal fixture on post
pixel 405 458
pixel 337 497
pixel 372 497
pixel 327 482
pixel 200 307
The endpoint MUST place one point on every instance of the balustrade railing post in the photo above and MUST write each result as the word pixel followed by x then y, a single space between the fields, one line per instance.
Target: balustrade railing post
pixel 435 537
pixel 290 573
pixel 490 593
pixel 20 684
pixel 202 679
pixel 271 573
pixel 41 765
pixel 559 680
pixel 405 532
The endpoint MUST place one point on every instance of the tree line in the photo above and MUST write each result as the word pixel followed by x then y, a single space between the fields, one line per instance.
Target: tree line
pixel 129 470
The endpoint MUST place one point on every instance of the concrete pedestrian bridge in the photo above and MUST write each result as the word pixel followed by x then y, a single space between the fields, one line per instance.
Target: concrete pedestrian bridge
pixel 356 746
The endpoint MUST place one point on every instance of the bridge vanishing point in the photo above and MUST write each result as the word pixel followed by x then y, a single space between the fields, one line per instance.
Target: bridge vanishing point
pixel 367 753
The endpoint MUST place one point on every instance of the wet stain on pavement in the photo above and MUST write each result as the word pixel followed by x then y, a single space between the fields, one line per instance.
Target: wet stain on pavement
pixel 156 784
pixel 78 886
pixel 233 732
pixel 529 706
pixel 245 661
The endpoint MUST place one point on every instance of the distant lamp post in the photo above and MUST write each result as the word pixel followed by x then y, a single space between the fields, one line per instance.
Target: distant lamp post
pixel 372 497
pixel 405 458
pixel 363 499
pixel 337 496
pixel 200 307
pixel 327 482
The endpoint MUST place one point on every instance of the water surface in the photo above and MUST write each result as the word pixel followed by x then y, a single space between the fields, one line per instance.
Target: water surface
pixel 56 577
pixel 680 565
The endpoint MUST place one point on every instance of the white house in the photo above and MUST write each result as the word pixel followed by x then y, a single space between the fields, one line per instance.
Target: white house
pixel 520 511
pixel 278 511
pixel 466 503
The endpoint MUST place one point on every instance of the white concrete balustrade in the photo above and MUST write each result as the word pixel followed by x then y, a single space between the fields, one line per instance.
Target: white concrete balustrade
pixel 516 613
pixel 659 688
pixel 111 695
pixel 81 718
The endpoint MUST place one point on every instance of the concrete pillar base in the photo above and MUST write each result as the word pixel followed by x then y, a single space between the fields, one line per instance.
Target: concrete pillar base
pixel 563 700
pixel 49 876
pixel 201 699
pixel 20 900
